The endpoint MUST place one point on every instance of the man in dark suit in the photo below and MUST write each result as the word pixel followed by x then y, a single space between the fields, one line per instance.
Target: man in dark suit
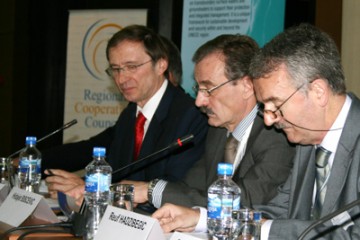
pixel 138 62
pixel 300 82
pixel 225 93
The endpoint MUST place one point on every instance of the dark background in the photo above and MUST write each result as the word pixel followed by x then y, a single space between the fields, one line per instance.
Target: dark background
pixel 33 36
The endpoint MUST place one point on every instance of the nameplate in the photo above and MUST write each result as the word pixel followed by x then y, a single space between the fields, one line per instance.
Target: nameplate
pixel 189 236
pixel 4 190
pixel 20 204
pixel 119 223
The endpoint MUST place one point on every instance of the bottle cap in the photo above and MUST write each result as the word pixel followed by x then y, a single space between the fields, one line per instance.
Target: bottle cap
pixel 225 169
pixel 99 152
pixel 30 140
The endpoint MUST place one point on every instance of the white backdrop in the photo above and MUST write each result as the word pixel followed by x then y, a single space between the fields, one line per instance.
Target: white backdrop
pixel 91 96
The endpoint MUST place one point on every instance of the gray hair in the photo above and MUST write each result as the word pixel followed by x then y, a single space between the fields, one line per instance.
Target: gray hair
pixel 238 50
pixel 307 53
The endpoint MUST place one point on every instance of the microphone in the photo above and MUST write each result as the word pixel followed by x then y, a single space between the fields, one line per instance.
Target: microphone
pixel 65 126
pixel 177 144
pixel 328 217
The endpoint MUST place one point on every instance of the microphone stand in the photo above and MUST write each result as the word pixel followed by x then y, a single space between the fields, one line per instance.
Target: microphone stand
pixel 8 159
pixel 65 126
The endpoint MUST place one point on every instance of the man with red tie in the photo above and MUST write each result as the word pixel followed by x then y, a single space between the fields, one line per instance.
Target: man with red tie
pixel 158 113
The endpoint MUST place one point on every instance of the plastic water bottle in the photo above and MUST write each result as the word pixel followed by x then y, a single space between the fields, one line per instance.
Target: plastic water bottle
pixel 29 170
pixel 97 190
pixel 223 198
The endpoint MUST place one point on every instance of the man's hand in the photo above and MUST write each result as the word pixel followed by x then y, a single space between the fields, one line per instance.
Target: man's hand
pixel 77 193
pixel 63 181
pixel 140 190
pixel 177 218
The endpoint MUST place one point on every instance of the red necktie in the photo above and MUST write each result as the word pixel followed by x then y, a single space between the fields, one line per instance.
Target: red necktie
pixel 139 134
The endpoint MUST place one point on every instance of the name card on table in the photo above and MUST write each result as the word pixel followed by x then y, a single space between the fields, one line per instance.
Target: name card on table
pixel 20 204
pixel 119 223
pixel 189 236
pixel 4 190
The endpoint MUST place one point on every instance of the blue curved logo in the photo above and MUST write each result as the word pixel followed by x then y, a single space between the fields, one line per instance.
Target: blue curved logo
pixel 94 45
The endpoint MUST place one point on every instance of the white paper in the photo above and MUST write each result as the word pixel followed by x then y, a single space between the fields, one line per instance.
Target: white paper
pixel 118 222
pixel 189 236
pixel 20 204
pixel 341 219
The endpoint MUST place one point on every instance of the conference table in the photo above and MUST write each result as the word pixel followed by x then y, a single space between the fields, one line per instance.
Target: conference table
pixel 63 236
pixel 59 236
pixel 35 236
pixel 53 204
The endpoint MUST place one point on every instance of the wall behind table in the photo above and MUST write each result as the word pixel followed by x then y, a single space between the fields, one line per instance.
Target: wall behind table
pixel 33 37
pixel 350 44
pixel 33 94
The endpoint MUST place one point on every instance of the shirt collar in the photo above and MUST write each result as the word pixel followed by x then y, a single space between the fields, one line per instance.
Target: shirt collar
pixel 331 139
pixel 240 129
pixel 150 107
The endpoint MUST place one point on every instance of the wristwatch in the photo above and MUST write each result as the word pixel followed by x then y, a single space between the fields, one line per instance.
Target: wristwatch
pixel 151 187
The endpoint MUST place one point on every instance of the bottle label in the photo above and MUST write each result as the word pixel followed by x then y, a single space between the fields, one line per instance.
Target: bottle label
pixel 31 166
pixel 221 206
pixel 97 182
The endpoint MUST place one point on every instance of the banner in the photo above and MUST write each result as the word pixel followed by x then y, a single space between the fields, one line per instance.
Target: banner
pixel 91 96
pixel 203 20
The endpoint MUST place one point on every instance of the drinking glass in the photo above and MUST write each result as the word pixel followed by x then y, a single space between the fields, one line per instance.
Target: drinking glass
pixel 122 196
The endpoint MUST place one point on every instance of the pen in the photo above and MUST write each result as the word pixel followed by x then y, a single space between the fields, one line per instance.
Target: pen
pixel 50 172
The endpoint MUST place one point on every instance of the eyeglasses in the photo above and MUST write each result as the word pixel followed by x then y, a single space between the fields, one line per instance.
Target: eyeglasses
pixel 207 92
pixel 273 114
pixel 115 71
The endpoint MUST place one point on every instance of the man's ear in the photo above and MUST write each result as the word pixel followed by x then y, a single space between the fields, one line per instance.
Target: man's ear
pixel 161 66
pixel 247 87
pixel 320 89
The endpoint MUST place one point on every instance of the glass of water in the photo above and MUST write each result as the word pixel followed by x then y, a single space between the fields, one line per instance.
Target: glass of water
pixel 122 196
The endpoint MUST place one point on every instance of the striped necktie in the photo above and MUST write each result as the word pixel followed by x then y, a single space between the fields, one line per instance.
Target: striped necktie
pixel 322 173
pixel 230 149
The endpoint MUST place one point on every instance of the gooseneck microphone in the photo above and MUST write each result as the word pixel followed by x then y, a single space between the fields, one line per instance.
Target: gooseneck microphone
pixel 65 126
pixel 178 143
pixel 328 217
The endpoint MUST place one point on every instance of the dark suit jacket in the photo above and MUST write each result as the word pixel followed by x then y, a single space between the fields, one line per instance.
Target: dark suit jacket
pixel 292 205
pixel 265 165
pixel 175 117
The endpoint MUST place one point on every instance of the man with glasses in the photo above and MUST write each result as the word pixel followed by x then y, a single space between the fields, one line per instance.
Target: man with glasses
pixel 262 158
pixel 138 61
pixel 299 80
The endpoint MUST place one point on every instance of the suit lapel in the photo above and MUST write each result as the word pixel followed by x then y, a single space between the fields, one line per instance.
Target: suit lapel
pixel 303 179
pixel 247 161
pixel 122 148
pixel 337 179
pixel 155 130
pixel 343 158
pixel 216 137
